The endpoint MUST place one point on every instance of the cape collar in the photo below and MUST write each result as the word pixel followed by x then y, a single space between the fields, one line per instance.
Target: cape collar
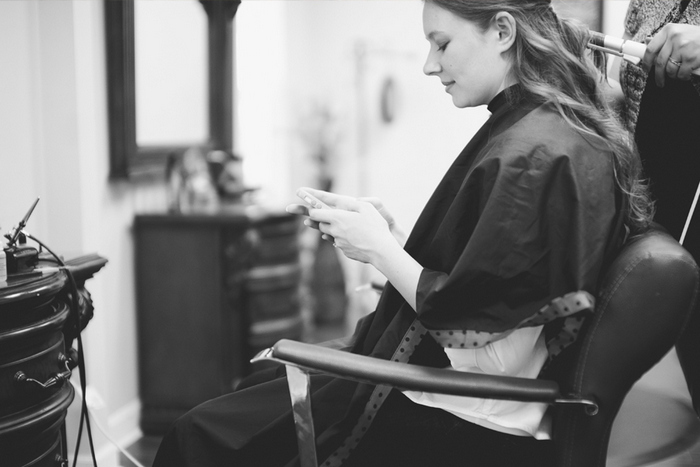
pixel 509 95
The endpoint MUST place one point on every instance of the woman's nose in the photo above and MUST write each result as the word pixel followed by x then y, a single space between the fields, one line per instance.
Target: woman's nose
pixel 431 66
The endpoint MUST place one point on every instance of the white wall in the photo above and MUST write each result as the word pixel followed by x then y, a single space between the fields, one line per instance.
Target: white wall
pixel 614 16
pixel 312 59
pixel 53 134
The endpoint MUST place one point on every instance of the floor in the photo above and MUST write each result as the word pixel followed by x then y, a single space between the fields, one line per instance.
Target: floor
pixel 656 426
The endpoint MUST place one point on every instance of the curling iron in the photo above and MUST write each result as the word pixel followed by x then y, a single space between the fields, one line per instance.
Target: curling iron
pixel 629 50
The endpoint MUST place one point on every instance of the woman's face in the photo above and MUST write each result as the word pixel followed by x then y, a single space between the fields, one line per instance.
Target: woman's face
pixel 468 61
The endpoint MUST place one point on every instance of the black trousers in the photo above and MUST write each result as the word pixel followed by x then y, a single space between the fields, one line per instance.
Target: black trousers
pixel 403 434
pixel 668 140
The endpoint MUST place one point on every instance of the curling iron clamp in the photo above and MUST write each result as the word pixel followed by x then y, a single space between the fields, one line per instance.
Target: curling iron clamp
pixel 631 51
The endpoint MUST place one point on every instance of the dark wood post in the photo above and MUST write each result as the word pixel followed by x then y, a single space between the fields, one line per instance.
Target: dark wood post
pixel 220 14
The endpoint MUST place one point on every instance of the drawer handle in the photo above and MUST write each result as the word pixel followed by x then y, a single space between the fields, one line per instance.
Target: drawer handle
pixel 56 379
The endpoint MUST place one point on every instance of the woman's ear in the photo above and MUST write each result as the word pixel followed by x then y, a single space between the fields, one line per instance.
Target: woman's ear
pixel 505 26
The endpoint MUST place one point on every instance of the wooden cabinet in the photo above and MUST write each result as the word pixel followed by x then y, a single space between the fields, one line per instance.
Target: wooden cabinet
pixel 211 291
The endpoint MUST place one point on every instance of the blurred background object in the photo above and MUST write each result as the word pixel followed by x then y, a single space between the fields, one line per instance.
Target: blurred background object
pixel 190 185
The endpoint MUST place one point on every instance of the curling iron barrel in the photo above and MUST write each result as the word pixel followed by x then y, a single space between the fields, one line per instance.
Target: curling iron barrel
pixel 630 50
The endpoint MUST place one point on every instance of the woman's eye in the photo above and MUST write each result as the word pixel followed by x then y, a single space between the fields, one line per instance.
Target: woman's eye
pixel 442 47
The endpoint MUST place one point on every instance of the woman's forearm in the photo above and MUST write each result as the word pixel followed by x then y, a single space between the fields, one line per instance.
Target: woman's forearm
pixel 399 234
pixel 400 269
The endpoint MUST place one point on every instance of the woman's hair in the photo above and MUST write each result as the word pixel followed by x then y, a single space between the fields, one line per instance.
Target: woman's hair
pixel 550 60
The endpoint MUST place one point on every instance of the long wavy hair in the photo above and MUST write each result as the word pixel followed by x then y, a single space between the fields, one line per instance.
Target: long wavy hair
pixel 550 60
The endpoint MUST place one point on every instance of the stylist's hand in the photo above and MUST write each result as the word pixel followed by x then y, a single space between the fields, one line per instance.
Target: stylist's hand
pixel 675 52
pixel 356 227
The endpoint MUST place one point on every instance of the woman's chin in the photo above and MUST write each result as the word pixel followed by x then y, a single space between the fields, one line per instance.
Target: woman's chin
pixel 461 103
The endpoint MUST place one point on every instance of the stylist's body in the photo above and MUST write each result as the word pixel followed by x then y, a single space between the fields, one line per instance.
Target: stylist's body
pixel 662 108
pixel 529 212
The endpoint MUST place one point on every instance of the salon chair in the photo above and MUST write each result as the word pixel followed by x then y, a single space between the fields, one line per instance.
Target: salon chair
pixel 645 301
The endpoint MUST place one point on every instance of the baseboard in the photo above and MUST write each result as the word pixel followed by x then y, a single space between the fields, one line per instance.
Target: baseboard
pixel 124 423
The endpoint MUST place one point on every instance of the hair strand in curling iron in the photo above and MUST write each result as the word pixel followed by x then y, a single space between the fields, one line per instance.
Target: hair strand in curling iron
pixel 629 50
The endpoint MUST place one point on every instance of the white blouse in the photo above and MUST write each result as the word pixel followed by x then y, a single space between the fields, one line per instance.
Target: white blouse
pixel 522 353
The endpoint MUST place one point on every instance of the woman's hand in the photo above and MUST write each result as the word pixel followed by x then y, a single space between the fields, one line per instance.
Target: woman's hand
pixel 362 230
pixel 396 230
pixel 675 52
pixel 355 226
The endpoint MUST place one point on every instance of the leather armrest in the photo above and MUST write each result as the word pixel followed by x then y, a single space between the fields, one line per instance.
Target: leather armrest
pixel 411 377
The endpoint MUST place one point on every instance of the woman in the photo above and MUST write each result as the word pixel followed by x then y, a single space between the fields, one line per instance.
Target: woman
pixel 662 108
pixel 515 234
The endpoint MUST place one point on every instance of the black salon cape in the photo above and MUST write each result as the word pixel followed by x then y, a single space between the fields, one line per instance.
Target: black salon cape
pixel 522 216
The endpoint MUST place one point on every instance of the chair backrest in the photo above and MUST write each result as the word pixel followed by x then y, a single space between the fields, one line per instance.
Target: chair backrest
pixel 645 300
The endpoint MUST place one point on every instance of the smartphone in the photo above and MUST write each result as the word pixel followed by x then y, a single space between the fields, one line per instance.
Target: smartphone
pixel 312 200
